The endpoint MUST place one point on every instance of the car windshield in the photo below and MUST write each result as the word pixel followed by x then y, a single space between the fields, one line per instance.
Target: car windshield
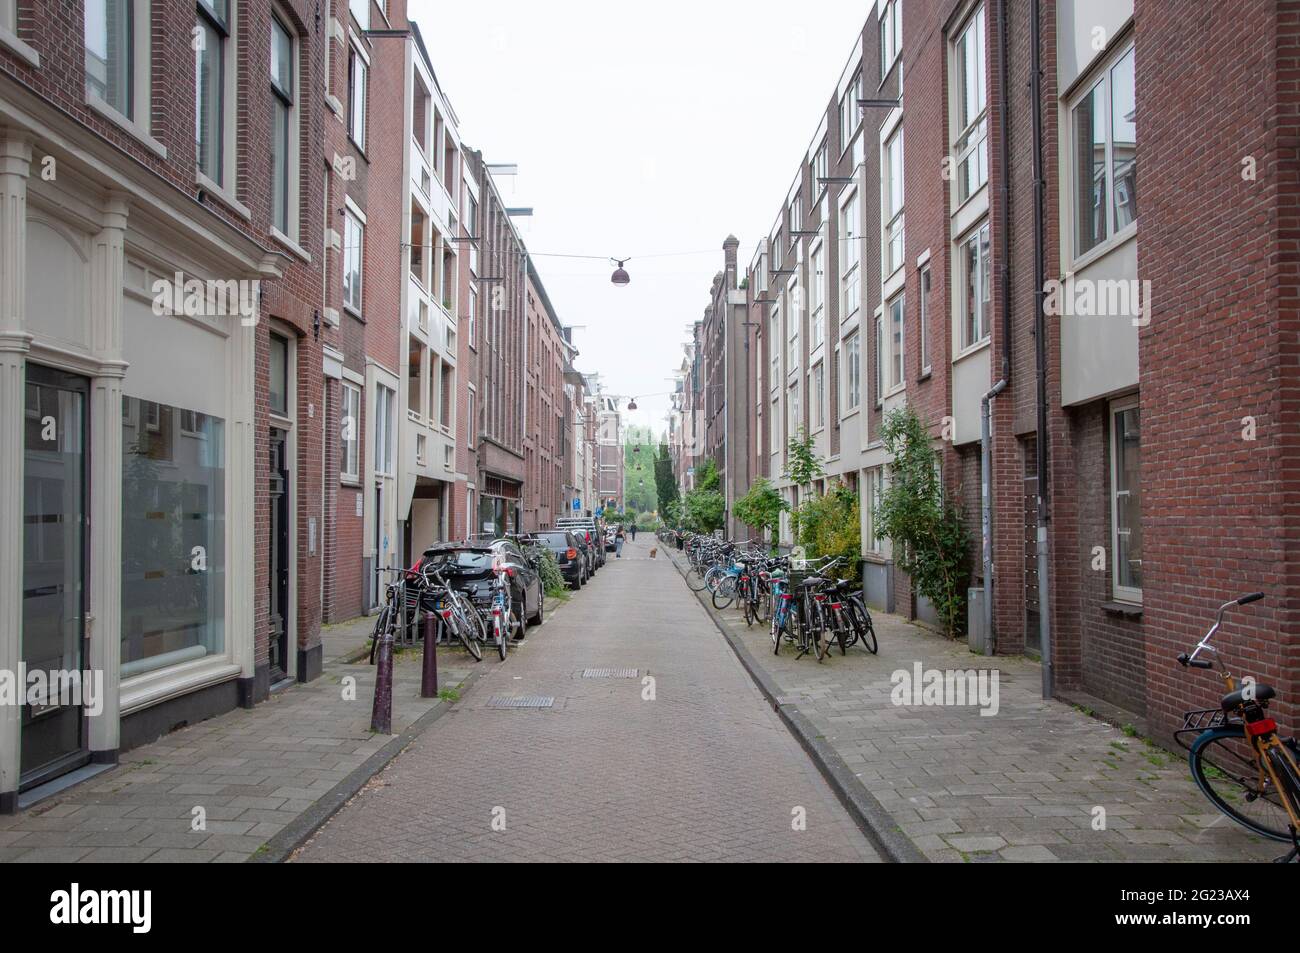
pixel 554 539
pixel 461 559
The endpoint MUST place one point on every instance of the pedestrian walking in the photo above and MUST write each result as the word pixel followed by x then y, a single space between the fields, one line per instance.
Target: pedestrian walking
pixel 618 542
pixel 632 528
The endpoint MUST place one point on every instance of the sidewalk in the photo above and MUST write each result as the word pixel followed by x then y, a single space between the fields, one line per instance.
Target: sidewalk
pixel 253 772
pixel 1022 785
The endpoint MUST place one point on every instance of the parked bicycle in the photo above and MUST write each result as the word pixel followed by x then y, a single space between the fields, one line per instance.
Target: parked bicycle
pixel 1236 758
pixel 414 590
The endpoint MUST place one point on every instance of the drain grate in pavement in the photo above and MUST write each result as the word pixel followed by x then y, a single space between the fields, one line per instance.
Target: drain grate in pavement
pixel 520 701
pixel 610 672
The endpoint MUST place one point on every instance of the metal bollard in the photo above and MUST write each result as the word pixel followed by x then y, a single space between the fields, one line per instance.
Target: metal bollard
pixel 381 715
pixel 429 672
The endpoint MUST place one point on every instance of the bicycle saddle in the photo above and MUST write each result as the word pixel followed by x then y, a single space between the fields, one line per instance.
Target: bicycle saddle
pixel 1234 700
pixel 813 581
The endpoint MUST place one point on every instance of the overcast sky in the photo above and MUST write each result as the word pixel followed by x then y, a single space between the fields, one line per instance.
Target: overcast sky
pixel 636 129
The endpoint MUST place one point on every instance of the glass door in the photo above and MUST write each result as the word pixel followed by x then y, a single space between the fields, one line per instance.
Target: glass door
pixel 54 568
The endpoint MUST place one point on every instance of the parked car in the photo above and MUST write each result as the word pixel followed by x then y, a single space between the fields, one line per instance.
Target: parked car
pixel 569 553
pixel 467 566
pixel 591 529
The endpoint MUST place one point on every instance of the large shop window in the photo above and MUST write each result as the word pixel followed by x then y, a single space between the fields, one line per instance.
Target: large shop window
pixel 173 536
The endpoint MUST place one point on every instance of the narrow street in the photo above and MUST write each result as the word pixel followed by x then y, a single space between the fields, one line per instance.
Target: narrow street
pixel 703 772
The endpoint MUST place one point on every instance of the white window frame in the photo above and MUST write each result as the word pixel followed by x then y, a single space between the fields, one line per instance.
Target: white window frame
pixel 385 408
pixel 354 246
pixel 138 117
pixel 880 356
pixel 224 181
pixel 817 396
pixel 875 492
pixel 794 421
pixel 983 292
pixel 892 219
pixel 850 242
pixel 969 142
pixel 896 313
pixel 924 286
pixel 816 295
pixel 350 450
pixel 360 11
pixel 890 35
pixel 792 327
pixel 850 113
pixel 775 344
pixel 1121 593
pixel 293 171
pixel 852 351
pixel 1100 76
pixel 358 91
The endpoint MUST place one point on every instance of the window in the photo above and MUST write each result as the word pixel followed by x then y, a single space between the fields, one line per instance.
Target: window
pixel 1104 130
pixel 774 343
pixel 891 214
pixel 358 73
pixel 816 282
pixel 850 252
pixel 360 12
pixel 973 262
pixel 970 145
pixel 776 425
pixel 283 165
pixel 470 421
pixel 897 310
pixel 891 35
pixel 173 507
pixel 1126 501
pixel 796 215
pixel 792 405
pixel 792 351
pixel 853 371
pixel 876 487
pixel 473 314
pixel 817 400
pixel 880 358
pixel 925 319
pixel 819 168
pixel 212 33
pixel 353 248
pixel 110 59
pixel 350 433
pixel 385 401
pixel 278 390
pixel 849 113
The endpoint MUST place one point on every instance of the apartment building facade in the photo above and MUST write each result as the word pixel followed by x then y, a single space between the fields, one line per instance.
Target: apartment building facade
pixel 162 365
pixel 913 229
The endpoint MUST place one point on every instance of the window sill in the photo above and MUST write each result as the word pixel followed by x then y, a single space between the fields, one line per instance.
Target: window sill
pixel 925 375
pixel 1097 252
pixel 290 244
pixel 203 182
pixel 335 106
pixel 130 125
pixel 355 312
pixel 352 482
pixel 9 40
pixel 1127 610
pixel 973 349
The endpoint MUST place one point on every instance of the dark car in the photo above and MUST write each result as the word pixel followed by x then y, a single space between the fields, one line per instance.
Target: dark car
pixel 467 566
pixel 590 531
pixel 567 549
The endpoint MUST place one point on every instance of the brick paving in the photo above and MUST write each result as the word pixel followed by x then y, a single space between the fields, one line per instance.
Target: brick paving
pixel 253 772
pixel 1021 785
pixel 705 771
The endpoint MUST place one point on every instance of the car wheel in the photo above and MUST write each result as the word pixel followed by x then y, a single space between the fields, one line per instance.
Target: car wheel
pixel 541 607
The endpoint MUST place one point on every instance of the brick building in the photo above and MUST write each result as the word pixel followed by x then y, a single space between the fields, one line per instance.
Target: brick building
pixel 911 263
pixel 163 403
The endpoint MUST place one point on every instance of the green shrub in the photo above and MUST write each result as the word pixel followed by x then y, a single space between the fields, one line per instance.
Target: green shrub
pixel 831 525
pixel 761 507
pixel 552 579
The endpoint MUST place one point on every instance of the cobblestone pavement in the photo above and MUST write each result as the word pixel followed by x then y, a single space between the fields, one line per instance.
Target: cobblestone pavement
pixel 1021 785
pixel 253 772
pixel 705 771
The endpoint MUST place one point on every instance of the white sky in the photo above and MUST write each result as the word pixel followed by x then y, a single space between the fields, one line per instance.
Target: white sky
pixel 640 130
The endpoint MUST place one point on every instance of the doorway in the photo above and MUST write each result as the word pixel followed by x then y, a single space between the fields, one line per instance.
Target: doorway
pixel 278 566
pixel 55 568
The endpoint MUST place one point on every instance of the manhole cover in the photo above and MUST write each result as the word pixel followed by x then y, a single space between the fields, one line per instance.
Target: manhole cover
pixel 520 701
pixel 610 672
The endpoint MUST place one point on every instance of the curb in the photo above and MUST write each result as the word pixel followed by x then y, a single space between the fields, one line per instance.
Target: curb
pixel 295 834
pixel 869 814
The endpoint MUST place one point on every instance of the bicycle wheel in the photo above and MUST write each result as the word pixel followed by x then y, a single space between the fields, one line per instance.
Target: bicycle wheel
pixel 695 580
pixel 725 592
pixel 501 632
pixel 763 607
pixel 749 610
pixel 465 634
pixel 863 627
pixel 381 624
pixel 841 628
pixel 820 631
pixel 1228 772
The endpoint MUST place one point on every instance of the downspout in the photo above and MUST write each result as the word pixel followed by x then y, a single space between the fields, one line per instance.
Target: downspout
pixel 1040 351
pixel 1004 277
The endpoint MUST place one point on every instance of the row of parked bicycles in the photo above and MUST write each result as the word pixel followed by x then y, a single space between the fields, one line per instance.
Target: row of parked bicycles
pixel 807 606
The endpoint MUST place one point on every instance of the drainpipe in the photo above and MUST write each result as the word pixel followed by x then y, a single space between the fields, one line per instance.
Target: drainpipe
pixel 1040 350
pixel 1004 278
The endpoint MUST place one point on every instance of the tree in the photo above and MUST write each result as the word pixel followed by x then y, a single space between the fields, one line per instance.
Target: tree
pixel 704 506
pixel 831 525
pixel 761 507
pixel 666 487
pixel 931 543
pixel 802 467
